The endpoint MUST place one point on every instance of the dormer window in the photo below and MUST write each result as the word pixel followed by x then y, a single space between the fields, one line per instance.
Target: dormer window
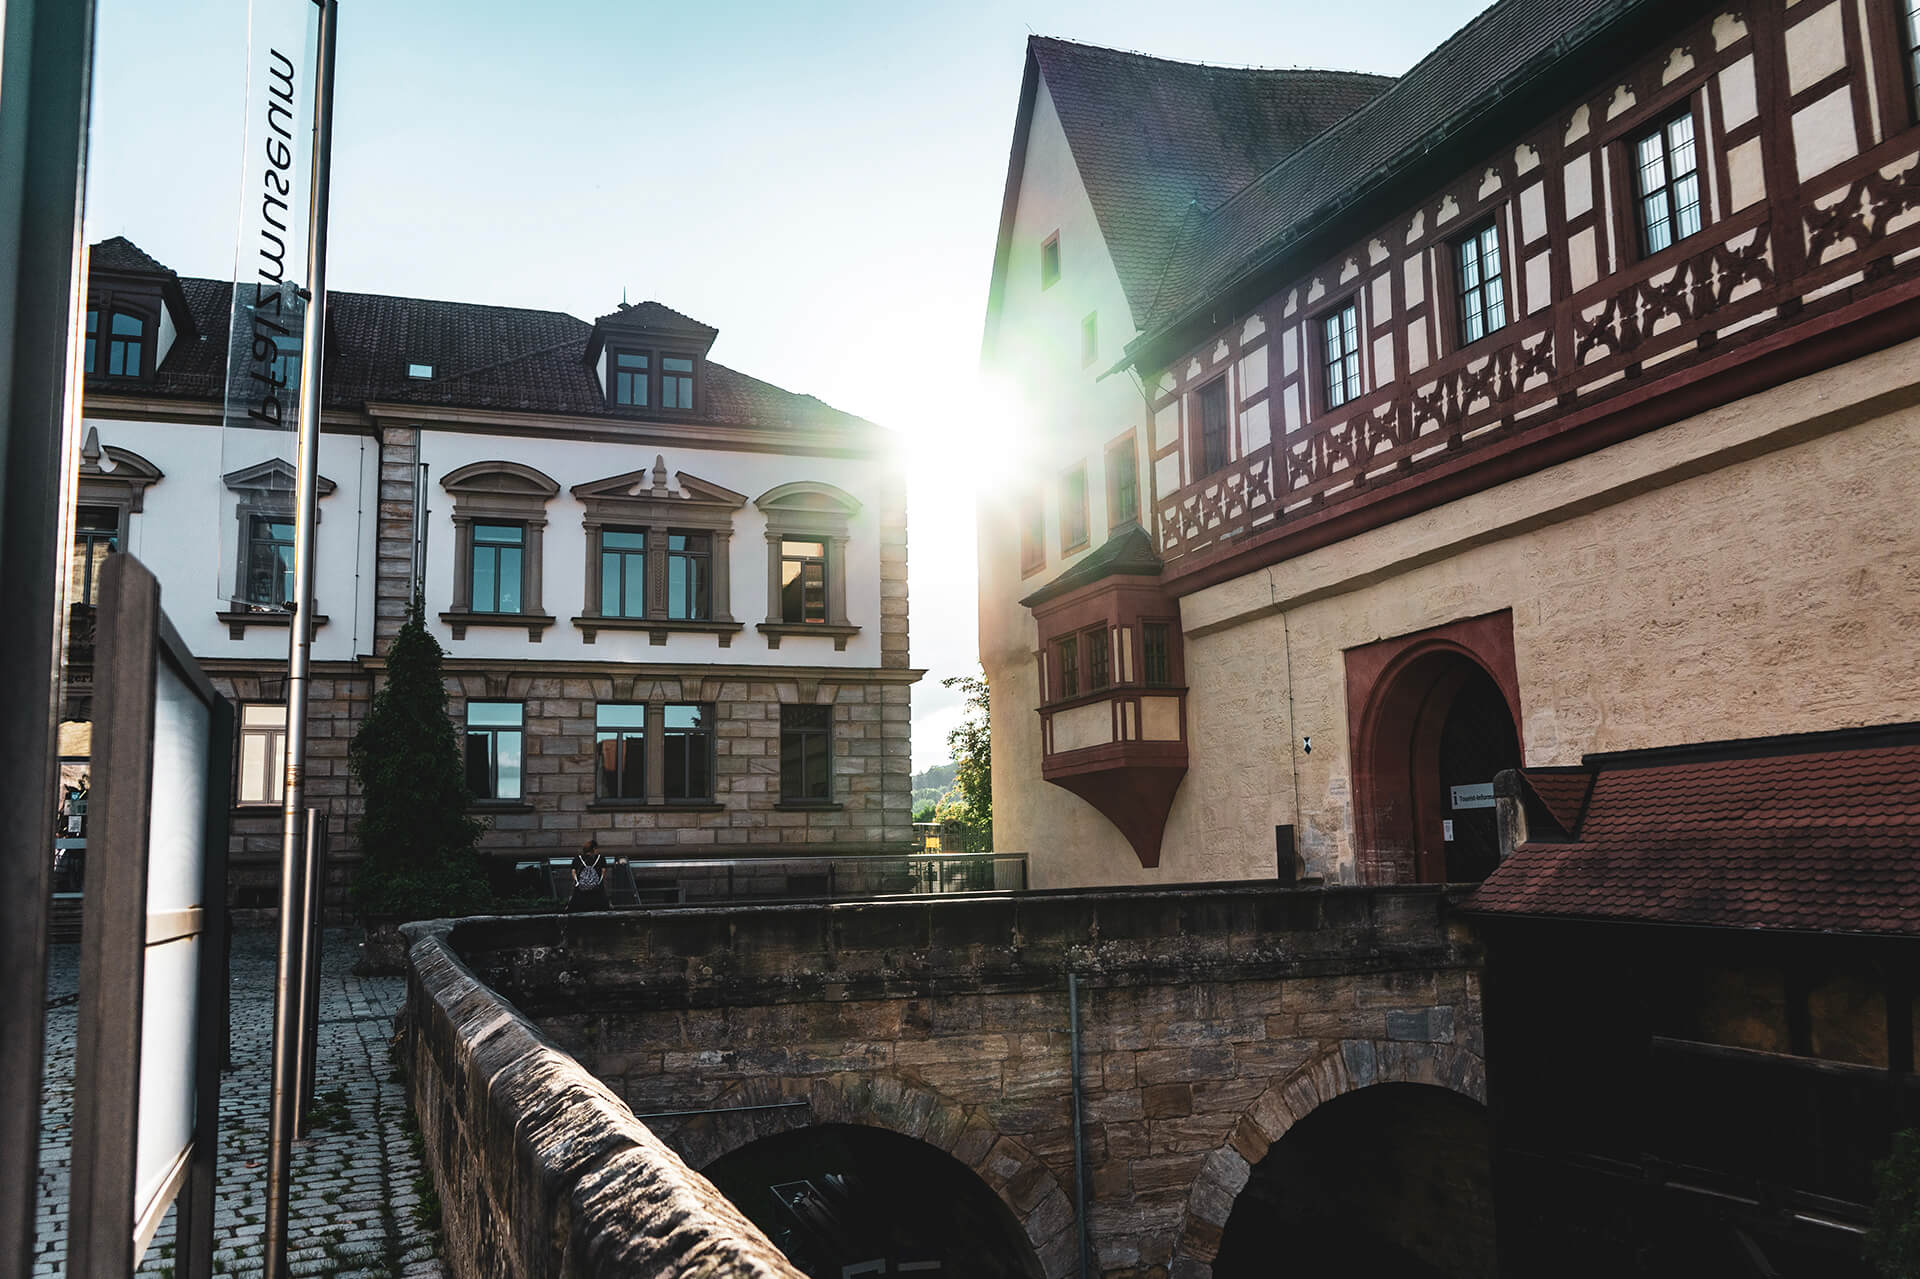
pixel 631 370
pixel 676 382
pixel 126 338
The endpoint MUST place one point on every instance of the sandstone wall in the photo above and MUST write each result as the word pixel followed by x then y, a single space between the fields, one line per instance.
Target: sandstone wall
pixel 1210 1021
pixel 542 1173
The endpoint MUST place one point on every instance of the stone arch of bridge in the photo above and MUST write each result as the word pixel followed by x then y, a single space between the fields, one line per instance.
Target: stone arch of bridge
pixel 1350 1066
pixel 769 1105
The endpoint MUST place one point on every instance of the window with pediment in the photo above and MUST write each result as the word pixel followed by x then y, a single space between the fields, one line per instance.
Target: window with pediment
pixel 807 526
pixel 657 554
pixel 262 592
pixel 499 526
pixel 113 488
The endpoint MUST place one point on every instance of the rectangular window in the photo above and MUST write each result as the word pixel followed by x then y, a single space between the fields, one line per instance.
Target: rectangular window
pixel 803 581
pixel 1215 440
pixel 690 576
pixel 1666 180
pixel 676 382
pixel 806 752
pixel 1089 339
pixel 1123 484
pixel 498 550
pixel 1098 652
pixel 1156 661
pixel 1481 288
pixel 1069 667
pixel 1073 510
pixel 620 751
pixel 689 747
pixel 630 373
pixel 125 344
pixel 96 535
pixel 1033 535
pixel 1340 334
pixel 422 371
pixel 495 731
pixel 623 573
pixel 1050 261
pixel 93 339
pixel 269 560
pixel 263 753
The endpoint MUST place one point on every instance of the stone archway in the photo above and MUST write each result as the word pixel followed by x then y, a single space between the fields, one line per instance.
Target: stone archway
pixel 1350 1067
pixel 769 1106
pixel 1429 712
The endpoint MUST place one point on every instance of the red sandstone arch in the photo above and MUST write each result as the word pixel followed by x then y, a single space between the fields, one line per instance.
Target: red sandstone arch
pixel 1399 692
pixel 1024 1184
pixel 1349 1067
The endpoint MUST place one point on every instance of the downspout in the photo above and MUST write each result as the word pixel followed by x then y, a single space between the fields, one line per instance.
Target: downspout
pixel 1079 1139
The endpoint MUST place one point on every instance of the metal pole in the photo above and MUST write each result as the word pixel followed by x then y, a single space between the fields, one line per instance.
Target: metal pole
pixel 306 979
pixel 287 1009
pixel 1079 1138
pixel 47 52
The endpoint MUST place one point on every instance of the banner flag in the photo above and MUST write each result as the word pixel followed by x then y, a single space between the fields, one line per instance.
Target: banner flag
pixel 269 307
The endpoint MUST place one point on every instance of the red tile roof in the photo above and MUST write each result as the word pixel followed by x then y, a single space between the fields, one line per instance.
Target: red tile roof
pixel 1805 834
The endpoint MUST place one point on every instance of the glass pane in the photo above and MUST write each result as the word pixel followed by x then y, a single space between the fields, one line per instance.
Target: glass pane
pixel 1686 217
pixel 814 550
pixel 1496 307
pixel 495 714
pixel 116 358
pixel 1490 248
pixel 509 579
pixel 697 589
pixel 633 767
pixel 127 326
pixel 814 578
pixel 610 602
pixel 699 768
pixel 253 768
pixel 633 603
pixel 1680 155
pixel 620 715
pixel 818 779
pixel 263 715
pixel 678 601
pixel 1659 231
pixel 485 574
pixel 507 749
pixel 623 540
pixel 277 775
pixel 792 765
pixel 606 750
pixel 629 360
pixel 498 534
pixel 479 763
pixel 132 358
pixel 792 605
pixel 686 717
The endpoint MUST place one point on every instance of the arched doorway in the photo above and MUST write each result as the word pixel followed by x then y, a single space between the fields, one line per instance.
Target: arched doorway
pixel 845 1200
pixel 1391 1180
pixel 1438 717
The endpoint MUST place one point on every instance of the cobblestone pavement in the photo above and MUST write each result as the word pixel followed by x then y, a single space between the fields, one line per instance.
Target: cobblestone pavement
pixel 355 1210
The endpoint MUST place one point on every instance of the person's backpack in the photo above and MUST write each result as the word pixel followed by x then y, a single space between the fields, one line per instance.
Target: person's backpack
pixel 589 878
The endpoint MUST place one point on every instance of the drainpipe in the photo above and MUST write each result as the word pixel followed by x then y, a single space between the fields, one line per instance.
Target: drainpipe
pixel 1079 1138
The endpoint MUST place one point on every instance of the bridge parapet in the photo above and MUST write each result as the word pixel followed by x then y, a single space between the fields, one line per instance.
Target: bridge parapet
pixel 1210 1020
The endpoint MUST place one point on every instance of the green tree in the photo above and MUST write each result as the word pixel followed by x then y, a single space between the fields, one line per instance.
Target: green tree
pixel 923 812
pixel 1893 1242
pixel 416 835
pixel 972 746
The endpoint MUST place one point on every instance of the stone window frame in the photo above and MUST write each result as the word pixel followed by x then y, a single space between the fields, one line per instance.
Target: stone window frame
pixel 805 731
pixel 813 511
pixel 116 479
pixel 264 490
pixel 499 492
pixel 643 500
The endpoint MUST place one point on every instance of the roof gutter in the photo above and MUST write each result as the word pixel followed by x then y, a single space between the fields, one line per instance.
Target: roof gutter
pixel 1150 349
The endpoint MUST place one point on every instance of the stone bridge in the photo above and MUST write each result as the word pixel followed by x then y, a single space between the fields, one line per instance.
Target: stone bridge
pixel 1259 1068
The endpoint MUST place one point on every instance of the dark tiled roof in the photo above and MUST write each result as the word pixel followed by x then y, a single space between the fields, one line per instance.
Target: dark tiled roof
pixel 1150 137
pixel 1477 66
pixel 483 357
pixel 657 317
pixel 1797 836
pixel 1561 792
pixel 122 254
pixel 1125 554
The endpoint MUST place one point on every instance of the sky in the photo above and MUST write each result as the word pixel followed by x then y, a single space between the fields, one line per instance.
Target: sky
pixel 820 181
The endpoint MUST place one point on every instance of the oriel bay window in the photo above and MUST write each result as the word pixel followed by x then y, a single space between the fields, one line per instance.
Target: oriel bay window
pixel 807 533
pixel 620 752
pixel 657 555
pixel 495 735
pixel 499 527
pixel 688 742
pixel 806 754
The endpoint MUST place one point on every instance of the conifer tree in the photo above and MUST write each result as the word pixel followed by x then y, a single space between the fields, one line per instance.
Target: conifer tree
pixel 416 836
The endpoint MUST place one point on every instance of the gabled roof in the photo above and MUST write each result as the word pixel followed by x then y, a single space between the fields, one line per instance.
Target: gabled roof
pixel 656 317
pixel 1513 45
pixel 1815 833
pixel 123 256
pixel 482 357
pixel 1151 136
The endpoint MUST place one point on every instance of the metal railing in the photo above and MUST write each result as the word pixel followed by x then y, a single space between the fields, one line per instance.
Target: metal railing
pixel 639 884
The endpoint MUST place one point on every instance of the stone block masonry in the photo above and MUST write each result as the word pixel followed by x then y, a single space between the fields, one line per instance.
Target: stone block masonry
pixel 1211 1021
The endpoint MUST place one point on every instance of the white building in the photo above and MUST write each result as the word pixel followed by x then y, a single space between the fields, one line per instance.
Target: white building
pixel 673 597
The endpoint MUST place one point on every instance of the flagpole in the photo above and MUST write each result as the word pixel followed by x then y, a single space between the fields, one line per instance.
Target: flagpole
pixel 288 1007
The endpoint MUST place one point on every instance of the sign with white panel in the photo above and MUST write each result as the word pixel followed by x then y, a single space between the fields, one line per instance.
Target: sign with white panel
pixel 1473 795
